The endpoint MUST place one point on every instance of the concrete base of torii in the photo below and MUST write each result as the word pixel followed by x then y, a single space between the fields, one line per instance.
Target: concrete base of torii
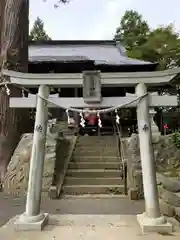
pixel 35 223
pixel 158 225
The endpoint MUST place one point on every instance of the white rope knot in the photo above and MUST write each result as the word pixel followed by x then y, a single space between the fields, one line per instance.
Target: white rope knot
pixel 7 90
pixel 82 121
pixel 99 120
pixel 117 117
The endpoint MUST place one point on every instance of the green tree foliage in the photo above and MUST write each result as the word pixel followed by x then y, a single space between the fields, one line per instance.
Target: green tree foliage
pixel 38 32
pixel 160 45
pixel 133 30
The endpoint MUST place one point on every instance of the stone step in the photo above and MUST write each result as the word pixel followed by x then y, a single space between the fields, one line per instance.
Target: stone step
pixel 92 189
pixel 81 173
pixel 91 139
pixel 103 196
pixel 92 143
pixel 95 165
pixel 102 159
pixel 95 137
pixel 95 147
pixel 93 181
pixel 94 153
pixel 103 138
pixel 88 139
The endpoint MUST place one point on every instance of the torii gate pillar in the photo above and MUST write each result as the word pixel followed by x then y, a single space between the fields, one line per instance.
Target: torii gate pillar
pixel 32 219
pixel 151 220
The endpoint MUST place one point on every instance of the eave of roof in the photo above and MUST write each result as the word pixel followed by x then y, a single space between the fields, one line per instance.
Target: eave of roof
pixel 79 50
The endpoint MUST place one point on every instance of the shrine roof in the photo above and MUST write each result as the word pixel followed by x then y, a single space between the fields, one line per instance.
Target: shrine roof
pixel 110 53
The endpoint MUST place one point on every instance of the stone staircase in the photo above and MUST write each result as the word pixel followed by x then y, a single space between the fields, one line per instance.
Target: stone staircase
pixel 95 167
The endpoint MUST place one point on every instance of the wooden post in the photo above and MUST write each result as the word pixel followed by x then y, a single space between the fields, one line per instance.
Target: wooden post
pixel 151 220
pixel 32 219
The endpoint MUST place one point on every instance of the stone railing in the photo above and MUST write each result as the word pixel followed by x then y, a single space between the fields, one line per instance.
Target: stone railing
pixel 16 177
pixel 165 153
pixel 167 162
pixel 134 174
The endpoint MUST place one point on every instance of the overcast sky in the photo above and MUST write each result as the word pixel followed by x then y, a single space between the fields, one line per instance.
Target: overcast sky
pixel 98 19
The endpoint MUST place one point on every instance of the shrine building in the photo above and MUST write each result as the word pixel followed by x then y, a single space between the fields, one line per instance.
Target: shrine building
pixel 75 57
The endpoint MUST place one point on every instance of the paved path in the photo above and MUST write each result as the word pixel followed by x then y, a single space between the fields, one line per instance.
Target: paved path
pixel 9 207
pixel 86 227
pixel 79 218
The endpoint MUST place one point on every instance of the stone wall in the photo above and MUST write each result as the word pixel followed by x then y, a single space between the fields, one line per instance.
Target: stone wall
pixel 169 195
pixel 167 158
pixel 16 178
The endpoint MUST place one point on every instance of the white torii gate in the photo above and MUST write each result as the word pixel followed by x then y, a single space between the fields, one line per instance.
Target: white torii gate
pixel 151 220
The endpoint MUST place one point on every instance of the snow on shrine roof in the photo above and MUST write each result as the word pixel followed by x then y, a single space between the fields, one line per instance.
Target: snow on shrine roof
pixel 100 52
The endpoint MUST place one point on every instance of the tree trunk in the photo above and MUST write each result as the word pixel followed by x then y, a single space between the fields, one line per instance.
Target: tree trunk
pixel 2 5
pixel 14 56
